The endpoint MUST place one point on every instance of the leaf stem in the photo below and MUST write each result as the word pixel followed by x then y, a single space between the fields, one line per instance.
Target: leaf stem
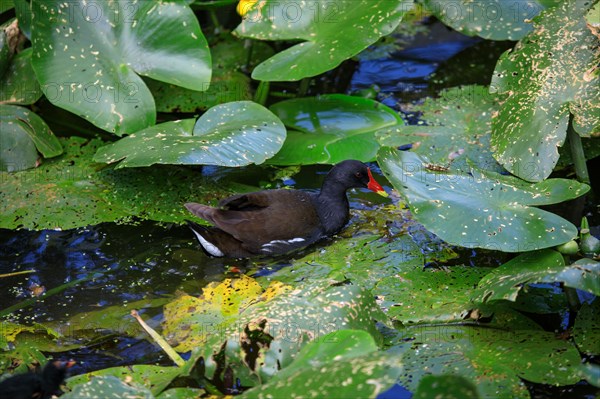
pixel 178 360
pixel 577 154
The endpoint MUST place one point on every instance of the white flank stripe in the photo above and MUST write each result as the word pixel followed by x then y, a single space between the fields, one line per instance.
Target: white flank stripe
pixel 291 241
pixel 209 247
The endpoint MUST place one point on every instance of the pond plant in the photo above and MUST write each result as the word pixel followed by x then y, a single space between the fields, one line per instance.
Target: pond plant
pixel 110 110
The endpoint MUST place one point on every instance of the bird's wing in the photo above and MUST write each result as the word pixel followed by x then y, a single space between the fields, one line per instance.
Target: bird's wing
pixel 247 202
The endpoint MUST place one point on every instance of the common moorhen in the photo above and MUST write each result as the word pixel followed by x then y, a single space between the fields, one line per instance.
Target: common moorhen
pixel 42 385
pixel 275 222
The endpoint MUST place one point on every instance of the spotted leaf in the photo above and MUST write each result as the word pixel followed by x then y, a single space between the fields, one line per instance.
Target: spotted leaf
pixel 550 75
pixel 88 55
pixel 232 134
pixel 481 209
pixel 332 31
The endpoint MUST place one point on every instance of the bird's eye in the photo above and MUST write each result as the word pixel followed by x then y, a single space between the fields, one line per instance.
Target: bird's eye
pixel 358 174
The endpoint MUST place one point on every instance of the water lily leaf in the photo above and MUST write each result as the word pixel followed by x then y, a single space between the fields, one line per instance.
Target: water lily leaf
pixel 586 330
pixel 364 260
pixel 545 266
pixel 182 393
pixel 331 32
pixel 481 209
pixel 22 135
pixel 445 386
pixel 425 295
pixel 188 320
pixel 265 337
pixel 348 365
pixel 22 346
pixel 108 386
pixel 17 85
pixel 232 134
pixel 227 83
pixel 455 126
pixel 490 19
pixel 96 75
pixel 548 76
pixel 70 191
pixel 331 128
pixel 493 359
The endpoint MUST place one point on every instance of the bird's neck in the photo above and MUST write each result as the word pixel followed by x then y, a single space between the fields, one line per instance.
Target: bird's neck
pixel 333 207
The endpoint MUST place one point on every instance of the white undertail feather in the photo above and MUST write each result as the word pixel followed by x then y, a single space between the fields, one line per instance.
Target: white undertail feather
pixel 208 246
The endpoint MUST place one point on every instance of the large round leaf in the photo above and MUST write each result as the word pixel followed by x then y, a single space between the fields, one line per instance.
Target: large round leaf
pixel 548 76
pixel 331 128
pixel 332 31
pixel 481 209
pixel 87 57
pixel 232 134
pixel 490 19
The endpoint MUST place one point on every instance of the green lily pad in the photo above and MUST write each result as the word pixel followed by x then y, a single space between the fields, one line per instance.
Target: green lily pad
pixel 545 266
pixel 445 386
pixel 87 57
pixel 495 360
pixel 71 191
pixel 456 126
pixel 232 134
pixel 548 76
pixel 586 330
pixel 22 135
pixel 108 386
pixel 490 19
pixel 341 364
pixel 426 295
pixel 17 86
pixel 481 209
pixel 331 32
pixel 331 128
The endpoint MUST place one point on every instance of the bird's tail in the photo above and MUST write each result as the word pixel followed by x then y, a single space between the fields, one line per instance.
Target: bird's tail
pixel 202 211
pixel 205 238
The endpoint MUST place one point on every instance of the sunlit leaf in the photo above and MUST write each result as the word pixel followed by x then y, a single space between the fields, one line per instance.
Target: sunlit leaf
pixel 232 134
pixel 87 57
pixel 548 76
pixel 331 32
pixel 267 336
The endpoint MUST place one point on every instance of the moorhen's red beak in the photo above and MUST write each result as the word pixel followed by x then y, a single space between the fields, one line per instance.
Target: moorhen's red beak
pixel 374 186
